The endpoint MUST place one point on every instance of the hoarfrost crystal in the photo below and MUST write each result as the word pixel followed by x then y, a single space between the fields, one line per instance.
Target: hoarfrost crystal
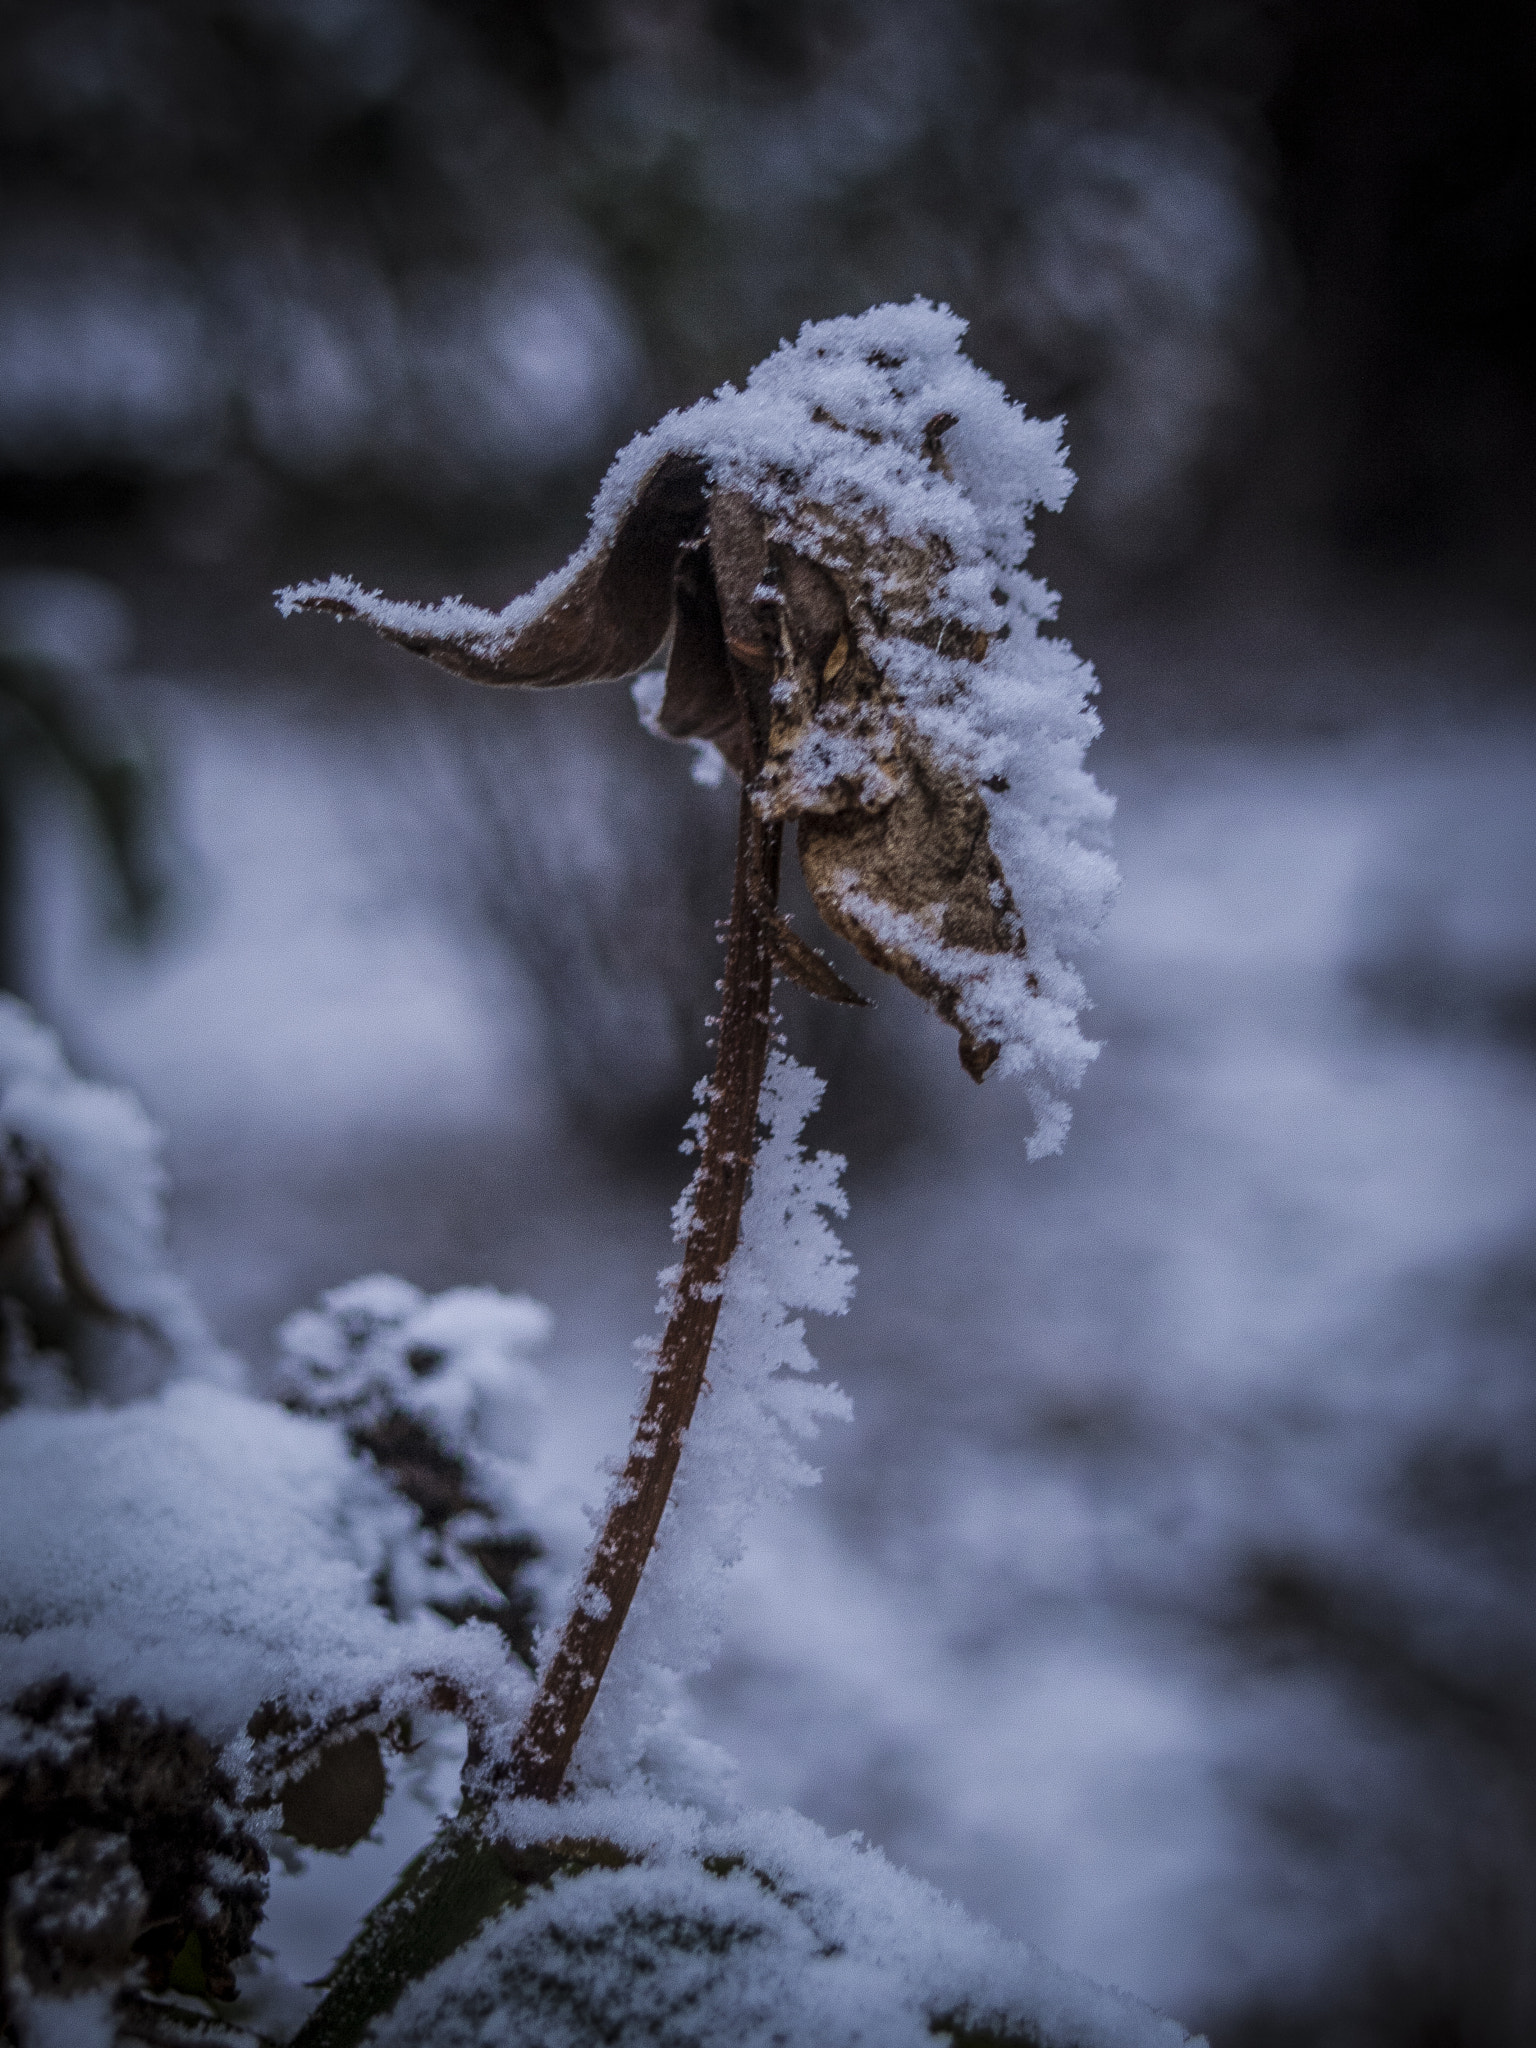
pixel 742 1451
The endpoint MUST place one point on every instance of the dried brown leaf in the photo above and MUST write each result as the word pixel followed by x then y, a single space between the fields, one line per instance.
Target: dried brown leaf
pixel 775 630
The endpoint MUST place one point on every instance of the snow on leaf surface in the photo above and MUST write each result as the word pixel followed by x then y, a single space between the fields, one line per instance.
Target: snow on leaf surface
pixel 835 554
pixel 226 1561
pixel 756 1929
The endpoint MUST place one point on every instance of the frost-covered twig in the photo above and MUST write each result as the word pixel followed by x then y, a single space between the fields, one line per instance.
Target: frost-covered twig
pixel 834 556
pixel 548 1737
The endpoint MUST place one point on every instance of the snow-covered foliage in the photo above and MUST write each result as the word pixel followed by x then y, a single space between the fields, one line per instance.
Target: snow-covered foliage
pixel 754 1930
pixel 457 1361
pixel 837 551
pixel 190 1625
pixel 203 1593
pixel 202 1550
pixel 742 1451
pixel 203 1577
pixel 91 1304
pixel 439 1394
pixel 122 1838
pixel 226 1561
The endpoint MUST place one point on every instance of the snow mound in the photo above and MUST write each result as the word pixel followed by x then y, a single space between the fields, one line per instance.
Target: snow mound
pixel 226 1563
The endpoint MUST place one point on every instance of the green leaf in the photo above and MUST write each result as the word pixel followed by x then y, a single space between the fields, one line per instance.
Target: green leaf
pixel 187 1973
pixel 442 1898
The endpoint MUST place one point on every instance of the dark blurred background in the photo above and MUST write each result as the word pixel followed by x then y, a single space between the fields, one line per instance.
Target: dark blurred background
pixel 403 275
pixel 414 974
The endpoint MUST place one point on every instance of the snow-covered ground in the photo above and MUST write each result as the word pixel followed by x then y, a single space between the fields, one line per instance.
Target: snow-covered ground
pixel 1112 1411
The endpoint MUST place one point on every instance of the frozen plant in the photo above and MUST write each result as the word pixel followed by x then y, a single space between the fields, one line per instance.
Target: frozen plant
pixel 193 1654
pixel 835 557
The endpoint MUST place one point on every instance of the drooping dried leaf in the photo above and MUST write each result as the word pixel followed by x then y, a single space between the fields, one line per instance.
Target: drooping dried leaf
pixel 834 557
pixel 605 615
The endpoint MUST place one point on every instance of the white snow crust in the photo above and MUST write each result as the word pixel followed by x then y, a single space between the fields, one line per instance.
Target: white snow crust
pixel 828 434
pixel 207 1553
pixel 791 1936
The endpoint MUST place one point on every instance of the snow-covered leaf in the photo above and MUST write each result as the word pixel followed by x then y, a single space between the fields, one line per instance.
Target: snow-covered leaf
pixel 834 554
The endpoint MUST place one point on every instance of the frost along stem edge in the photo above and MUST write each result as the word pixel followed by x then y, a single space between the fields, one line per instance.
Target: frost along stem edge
pixel 542 1752
pixel 832 561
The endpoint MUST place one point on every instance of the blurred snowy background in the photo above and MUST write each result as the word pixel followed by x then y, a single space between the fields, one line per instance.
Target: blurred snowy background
pixel 1170 1597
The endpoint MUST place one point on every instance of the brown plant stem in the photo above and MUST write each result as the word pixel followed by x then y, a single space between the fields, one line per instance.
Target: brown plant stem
pixel 542 1752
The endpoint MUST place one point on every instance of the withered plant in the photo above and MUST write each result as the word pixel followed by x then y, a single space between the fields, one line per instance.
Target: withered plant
pixel 833 560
